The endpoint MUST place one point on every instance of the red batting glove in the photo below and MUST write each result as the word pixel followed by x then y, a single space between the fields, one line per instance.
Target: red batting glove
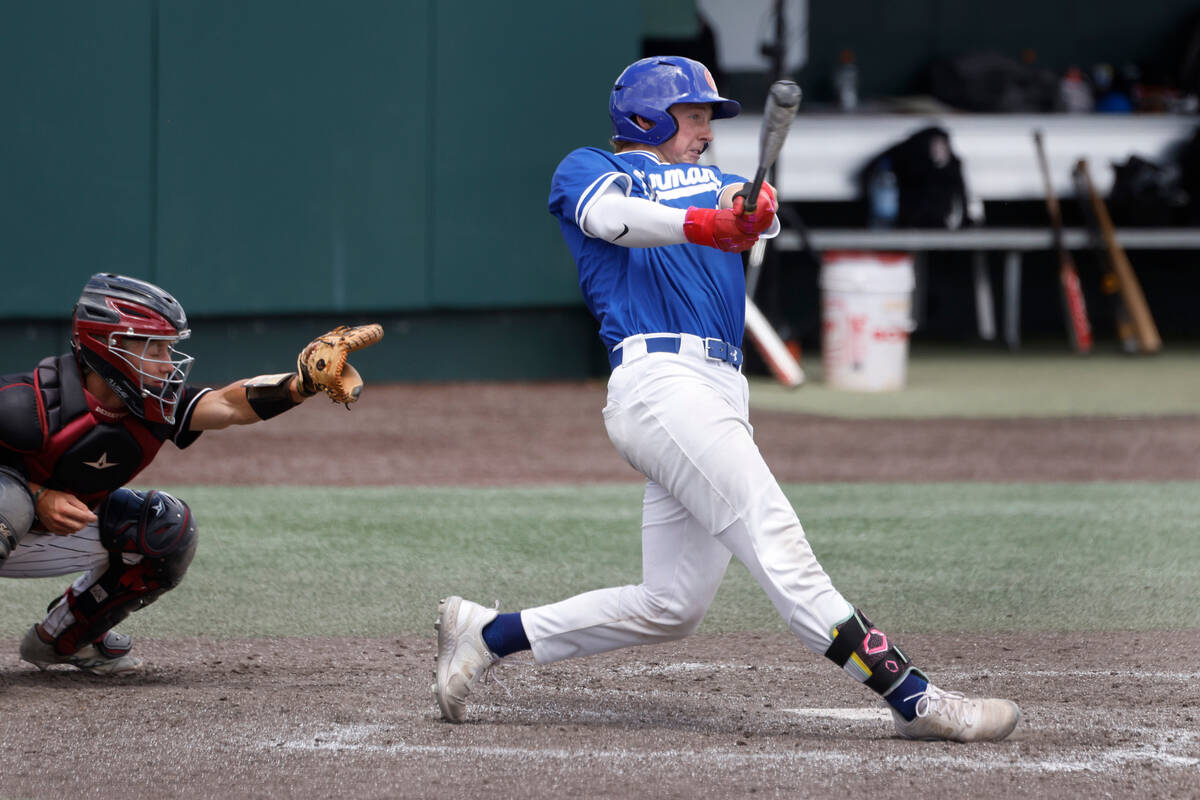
pixel 716 228
pixel 762 216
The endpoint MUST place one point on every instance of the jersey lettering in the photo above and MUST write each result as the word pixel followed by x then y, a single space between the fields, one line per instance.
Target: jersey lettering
pixel 684 182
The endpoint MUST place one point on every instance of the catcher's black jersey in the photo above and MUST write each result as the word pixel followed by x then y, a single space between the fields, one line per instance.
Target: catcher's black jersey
pixel 54 432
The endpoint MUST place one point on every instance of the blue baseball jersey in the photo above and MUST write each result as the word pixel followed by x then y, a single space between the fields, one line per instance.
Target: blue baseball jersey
pixel 681 288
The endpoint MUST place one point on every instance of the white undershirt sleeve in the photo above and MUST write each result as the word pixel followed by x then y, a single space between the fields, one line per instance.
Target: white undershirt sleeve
pixel 637 222
pixel 773 231
pixel 632 221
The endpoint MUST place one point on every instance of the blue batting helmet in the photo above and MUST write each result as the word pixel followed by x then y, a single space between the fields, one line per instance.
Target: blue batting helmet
pixel 649 87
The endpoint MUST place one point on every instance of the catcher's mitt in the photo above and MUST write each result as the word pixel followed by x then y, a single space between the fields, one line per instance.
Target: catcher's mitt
pixel 322 363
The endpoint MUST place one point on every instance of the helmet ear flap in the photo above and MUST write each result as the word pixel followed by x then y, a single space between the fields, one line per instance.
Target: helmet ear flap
pixel 649 125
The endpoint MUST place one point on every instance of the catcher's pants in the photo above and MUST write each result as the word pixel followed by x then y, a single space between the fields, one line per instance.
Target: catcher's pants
pixel 44 555
pixel 683 422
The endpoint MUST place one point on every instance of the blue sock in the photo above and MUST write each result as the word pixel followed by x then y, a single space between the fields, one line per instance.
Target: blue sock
pixel 505 635
pixel 904 696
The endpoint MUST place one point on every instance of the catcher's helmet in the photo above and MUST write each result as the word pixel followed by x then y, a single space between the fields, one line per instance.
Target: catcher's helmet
pixel 649 87
pixel 125 330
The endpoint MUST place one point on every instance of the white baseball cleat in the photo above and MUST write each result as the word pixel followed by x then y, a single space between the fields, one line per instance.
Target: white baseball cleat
pixel 950 715
pixel 462 657
pixel 109 656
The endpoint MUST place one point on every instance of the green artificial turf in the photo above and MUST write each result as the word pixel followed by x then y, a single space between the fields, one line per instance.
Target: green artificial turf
pixel 285 561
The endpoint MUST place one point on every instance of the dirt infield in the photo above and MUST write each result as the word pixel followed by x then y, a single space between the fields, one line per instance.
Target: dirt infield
pixel 508 433
pixel 736 715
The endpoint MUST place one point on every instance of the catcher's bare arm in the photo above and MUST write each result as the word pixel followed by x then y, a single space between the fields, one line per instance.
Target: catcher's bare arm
pixel 321 366
pixel 231 405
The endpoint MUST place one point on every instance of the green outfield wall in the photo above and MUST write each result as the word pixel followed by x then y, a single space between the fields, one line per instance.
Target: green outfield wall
pixel 284 163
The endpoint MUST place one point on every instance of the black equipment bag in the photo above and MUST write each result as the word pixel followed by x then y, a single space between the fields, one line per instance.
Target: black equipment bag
pixel 933 193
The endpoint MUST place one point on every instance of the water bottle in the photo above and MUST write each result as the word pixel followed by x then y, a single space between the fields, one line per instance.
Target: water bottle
pixel 1076 94
pixel 845 81
pixel 883 192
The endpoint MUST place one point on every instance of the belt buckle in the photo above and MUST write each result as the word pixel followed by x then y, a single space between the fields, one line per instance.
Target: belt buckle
pixel 715 349
pixel 718 350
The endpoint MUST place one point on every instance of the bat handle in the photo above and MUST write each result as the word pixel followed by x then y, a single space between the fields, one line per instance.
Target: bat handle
pixel 749 192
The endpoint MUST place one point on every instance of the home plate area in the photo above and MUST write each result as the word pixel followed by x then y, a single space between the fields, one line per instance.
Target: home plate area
pixel 639 723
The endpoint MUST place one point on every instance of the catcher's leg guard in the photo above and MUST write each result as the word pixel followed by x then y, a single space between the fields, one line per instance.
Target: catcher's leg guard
pixel 16 510
pixel 154 525
pixel 878 663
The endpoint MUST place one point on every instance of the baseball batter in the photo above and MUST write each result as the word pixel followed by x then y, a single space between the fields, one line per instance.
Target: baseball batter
pixel 655 236
pixel 81 425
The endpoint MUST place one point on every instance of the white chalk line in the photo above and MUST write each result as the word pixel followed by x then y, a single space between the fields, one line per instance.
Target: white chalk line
pixel 695 667
pixel 1160 747
pixel 852 714
pixel 1156 748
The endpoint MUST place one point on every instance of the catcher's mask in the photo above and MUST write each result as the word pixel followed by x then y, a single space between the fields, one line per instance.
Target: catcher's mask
pixel 125 330
pixel 648 88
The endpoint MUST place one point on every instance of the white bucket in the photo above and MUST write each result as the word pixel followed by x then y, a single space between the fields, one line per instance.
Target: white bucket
pixel 866 317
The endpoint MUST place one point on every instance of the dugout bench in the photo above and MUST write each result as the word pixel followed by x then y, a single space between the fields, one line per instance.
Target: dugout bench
pixel 979 241
pixel 824 153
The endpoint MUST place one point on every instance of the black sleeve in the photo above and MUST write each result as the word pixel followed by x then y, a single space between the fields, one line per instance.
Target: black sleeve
pixel 183 435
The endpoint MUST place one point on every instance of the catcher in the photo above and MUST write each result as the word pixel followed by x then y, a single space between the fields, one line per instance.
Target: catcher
pixel 80 426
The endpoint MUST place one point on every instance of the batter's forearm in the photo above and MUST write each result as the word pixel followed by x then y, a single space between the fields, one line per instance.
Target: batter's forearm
pixel 637 222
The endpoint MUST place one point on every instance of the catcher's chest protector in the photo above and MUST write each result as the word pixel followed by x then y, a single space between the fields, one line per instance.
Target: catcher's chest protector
pixel 80 452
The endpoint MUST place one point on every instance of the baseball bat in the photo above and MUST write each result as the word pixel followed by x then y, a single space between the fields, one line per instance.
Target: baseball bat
pixel 763 336
pixel 778 358
pixel 782 101
pixel 1078 326
pixel 1128 285
pixel 1109 284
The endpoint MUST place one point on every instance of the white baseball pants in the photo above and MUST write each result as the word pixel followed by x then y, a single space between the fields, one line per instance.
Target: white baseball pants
pixel 683 421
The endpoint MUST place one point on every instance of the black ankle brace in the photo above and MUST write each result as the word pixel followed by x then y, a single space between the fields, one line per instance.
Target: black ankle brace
pixel 856 640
